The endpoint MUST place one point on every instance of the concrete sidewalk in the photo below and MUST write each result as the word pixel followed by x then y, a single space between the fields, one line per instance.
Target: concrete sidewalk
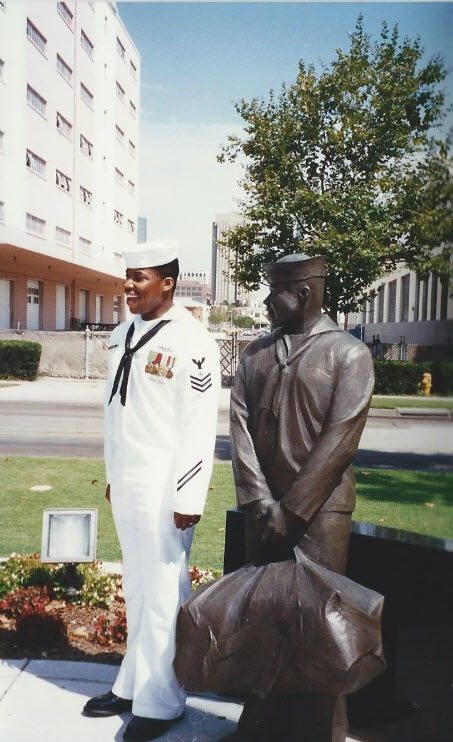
pixel 42 700
pixel 90 392
pixel 53 390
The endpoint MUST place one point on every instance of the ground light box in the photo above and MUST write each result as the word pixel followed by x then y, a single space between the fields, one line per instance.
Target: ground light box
pixel 69 535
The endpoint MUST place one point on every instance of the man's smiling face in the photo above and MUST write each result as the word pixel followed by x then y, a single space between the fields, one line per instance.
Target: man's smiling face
pixel 147 293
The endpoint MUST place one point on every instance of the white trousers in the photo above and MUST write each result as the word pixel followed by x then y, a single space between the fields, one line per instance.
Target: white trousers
pixel 155 583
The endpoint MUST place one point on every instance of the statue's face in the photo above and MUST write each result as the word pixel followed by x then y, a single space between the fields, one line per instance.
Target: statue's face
pixel 284 303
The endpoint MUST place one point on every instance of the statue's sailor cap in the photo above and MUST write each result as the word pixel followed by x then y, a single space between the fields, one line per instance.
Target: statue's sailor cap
pixel 295 268
pixel 151 254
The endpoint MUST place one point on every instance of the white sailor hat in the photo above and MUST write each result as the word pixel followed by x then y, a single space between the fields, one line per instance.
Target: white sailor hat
pixel 151 254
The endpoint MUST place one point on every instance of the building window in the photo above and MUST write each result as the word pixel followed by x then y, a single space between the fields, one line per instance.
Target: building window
pixel 380 301
pixel 417 300
pixel 118 218
pixel 119 134
pixel 35 224
pixel 36 37
pixel 62 236
pixel 2 211
pixel 36 101
pixel 131 187
pixel 85 245
pixel 65 13
pixel 132 109
pixel 405 282
pixel 2 65
pixel 434 289
pixel 119 91
pixel 391 306
pixel 133 69
pixel 32 295
pixel 64 69
pixel 444 297
pixel 131 148
pixel 86 43
pixel 86 196
pixel 425 299
pixel 63 181
pixel 118 175
pixel 35 163
pixel 64 126
pixel 86 146
pixel 120 48
pixel 131 226
pixel 86 95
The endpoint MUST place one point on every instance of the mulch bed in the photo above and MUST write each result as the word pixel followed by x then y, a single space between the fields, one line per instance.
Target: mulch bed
pixel 79 645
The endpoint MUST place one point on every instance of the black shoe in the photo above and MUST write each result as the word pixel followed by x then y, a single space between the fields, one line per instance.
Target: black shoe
pixel 143 729
pixel 106 705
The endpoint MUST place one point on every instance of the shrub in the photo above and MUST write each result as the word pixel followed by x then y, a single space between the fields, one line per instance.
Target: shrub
pixel 19 359
pixel 202 576
pixel 442 373
pixel 93 588
pixel 98 588
pixel 397 377
pixel 22 571
pixel 24 601
pixel 111 628
pixel 402 377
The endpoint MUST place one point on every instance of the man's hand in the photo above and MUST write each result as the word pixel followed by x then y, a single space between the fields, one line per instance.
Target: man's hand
pixel 183 521
pixel 281 524
pixel 107 493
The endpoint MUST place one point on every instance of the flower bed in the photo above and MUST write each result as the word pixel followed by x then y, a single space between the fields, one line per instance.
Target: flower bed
pixel 65 611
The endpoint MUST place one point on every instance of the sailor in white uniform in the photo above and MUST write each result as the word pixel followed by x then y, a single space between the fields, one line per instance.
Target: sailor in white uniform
pixel 160 426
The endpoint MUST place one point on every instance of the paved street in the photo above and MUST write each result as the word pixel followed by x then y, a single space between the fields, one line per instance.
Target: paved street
pixel 65 418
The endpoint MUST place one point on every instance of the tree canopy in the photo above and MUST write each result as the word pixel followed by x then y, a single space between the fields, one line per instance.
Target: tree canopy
pixel 348 162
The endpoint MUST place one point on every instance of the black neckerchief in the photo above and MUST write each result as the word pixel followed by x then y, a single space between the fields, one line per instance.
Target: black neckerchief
pixel 124 366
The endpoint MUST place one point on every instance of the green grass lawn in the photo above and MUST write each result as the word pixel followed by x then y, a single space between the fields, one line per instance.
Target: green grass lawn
pixel 387 497
pixel 389 403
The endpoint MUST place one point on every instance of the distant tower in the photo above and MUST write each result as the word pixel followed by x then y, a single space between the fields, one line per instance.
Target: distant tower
pixel 223 285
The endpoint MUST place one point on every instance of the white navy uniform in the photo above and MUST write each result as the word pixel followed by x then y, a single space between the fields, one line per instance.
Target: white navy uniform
pixel 158 452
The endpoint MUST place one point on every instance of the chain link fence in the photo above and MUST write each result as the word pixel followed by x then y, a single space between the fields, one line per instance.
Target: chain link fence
pixel 83 355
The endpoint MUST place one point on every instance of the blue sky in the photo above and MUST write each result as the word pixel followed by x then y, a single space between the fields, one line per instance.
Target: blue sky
pixel 198 58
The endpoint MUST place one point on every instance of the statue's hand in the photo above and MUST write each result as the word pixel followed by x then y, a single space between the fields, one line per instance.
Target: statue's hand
pixel 282 525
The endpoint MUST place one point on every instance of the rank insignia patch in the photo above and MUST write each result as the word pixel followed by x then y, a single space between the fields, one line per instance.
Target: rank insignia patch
pixel 160 364
pixel 201 382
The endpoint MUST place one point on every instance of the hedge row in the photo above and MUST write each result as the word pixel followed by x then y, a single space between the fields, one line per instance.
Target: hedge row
pixel 402 377
pixel 19 359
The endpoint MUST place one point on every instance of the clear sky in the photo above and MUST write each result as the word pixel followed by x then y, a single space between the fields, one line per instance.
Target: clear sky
pixel 197 58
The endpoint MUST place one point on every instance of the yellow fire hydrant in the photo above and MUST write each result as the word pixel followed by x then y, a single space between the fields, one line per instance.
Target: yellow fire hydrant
pixel 425 384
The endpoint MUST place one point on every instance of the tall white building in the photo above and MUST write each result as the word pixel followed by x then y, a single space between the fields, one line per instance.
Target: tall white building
pixel 69 128
pixel 223 286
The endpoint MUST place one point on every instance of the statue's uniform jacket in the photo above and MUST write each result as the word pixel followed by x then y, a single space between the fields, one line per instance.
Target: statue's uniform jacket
pixel 297 417
pixel 158 452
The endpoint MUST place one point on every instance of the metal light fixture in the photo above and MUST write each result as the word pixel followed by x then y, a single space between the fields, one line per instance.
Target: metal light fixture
pixel 69 535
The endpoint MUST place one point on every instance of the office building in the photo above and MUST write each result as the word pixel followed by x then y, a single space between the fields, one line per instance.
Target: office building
pixel 69 127
pixel 401 305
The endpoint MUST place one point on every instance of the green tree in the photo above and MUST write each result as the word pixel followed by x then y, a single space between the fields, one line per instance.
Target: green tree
pixel 349 163
pixel 216 316
pixel 245 322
